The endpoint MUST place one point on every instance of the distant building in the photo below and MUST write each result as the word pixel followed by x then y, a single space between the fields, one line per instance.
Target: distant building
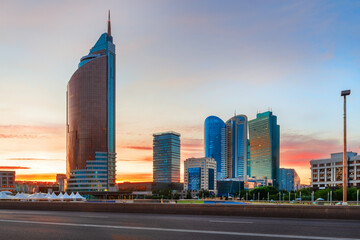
pixel 61 180
pixel 200 174
pixel 90 120
pixel 289 180
pixel 166 157
pixel 252 183
pixel 229 187
pixel 7 181
pixel 329 172
pixel 214 131
pixel 264 136
pixel 136 186
pixel 35 187
pixel 236 146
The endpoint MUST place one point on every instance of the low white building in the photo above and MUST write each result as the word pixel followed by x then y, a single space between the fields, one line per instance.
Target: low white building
pixel 200 174
pixel 329 172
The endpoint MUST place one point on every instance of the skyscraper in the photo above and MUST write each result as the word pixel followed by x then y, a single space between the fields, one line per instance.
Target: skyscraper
pixel 166 157
pixel 236 146
pixel 264 136
pixel 228 145
pixel 90 119
pixel 214 135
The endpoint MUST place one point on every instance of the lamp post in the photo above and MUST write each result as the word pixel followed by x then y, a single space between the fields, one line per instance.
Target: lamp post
pixel 344 94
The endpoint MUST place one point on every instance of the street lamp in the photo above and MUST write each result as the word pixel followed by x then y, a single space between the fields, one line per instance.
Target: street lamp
pixel 344 94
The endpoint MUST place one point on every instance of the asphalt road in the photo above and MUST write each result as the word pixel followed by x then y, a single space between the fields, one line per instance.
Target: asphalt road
pixel 18 224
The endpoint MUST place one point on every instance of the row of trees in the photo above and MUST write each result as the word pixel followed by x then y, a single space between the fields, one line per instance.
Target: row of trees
pixel 268 191
pixel 306 194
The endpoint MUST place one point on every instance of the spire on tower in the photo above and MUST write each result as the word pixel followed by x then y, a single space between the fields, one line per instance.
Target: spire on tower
pixel 109 25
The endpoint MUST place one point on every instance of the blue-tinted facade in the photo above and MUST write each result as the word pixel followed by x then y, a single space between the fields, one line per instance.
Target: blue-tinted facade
pixel 248 159
pixel 166 157
pixel 227 143
pixel 214 132
pixel 288 179
pixel 211 179
pixel 94 178
pixel 194 179
pixel 236 146
pixel 264 134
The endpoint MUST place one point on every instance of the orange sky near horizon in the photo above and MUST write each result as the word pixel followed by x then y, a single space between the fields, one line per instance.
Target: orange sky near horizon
pixel 43 152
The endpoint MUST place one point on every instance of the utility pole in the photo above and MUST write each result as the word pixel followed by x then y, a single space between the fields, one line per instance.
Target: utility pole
pixel 344 94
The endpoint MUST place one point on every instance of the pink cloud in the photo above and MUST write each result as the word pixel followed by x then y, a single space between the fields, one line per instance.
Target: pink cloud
pixel 139 147
pixel 34 159
pixel 12 167
pixel 17 136
pixel 296 148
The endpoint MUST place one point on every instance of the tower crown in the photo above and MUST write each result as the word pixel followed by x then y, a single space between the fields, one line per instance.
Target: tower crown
pixel 109 25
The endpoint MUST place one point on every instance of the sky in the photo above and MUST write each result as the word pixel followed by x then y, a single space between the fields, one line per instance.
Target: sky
pixel 177 63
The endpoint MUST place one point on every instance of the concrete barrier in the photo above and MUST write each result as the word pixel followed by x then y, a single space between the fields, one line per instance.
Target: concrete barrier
pixel 256 210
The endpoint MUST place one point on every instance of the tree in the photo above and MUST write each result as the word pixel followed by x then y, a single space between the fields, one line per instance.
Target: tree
pixel 188 195
pixel 203 193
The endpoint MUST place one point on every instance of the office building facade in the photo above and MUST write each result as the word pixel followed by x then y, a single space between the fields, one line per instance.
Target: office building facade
pixel 214 136
pixel 329 172
pixel 7 181
pixel 166 157
pixel 90 121
pixel 289 180
pixel 236 146
pixel 200 174
pixel 227 143
pixel 264 137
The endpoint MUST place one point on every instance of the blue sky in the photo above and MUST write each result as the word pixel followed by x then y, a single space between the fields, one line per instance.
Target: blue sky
pixel 177 63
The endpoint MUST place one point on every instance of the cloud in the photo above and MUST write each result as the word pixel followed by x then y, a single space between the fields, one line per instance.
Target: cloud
pixel 134 177
pixel 17 136
pixel 33 159
pixel 192 144
pixel 144 159
pixel 32 138
pixel 13 167
pixel 299 149
pixel 296 151
pixel 139 147
pixel 29 132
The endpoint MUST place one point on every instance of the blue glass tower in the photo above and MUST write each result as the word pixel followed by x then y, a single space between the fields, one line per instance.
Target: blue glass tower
pixel 166 157
pixel 236 146
pixel 214 132
pixel 264 134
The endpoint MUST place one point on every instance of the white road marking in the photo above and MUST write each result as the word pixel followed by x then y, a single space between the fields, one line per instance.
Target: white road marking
pixel 25 212
pixel 93 216
pixel 223 221
pixel 178 230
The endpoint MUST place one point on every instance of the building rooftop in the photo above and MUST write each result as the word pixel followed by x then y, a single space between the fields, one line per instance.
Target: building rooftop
pixel 166 133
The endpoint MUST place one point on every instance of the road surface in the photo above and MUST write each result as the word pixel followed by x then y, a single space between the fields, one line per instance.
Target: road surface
pixel 18 224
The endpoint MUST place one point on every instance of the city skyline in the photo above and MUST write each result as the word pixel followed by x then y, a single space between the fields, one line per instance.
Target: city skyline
pixel 176 65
